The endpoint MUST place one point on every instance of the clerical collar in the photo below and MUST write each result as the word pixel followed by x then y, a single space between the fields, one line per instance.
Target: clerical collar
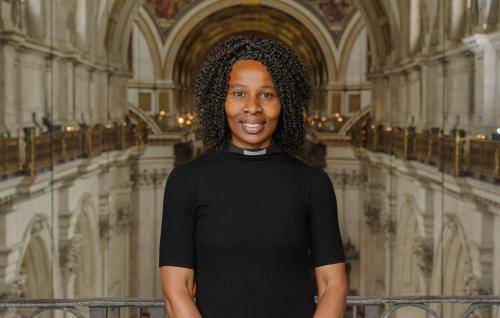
pixel 252 152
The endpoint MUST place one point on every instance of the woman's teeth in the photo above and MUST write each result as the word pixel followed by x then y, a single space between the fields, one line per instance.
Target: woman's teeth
pixel 252 128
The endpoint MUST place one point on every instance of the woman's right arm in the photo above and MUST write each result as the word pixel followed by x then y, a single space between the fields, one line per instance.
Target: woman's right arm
pixel 177 248
pixel 178 292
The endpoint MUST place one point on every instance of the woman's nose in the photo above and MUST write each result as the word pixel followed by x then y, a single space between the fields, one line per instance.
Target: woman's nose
pixel 252 105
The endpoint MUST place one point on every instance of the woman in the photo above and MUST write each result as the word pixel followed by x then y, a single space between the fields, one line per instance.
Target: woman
pixel 240 220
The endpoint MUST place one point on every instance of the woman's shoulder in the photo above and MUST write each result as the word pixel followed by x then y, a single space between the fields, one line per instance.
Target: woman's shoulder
pixel 309 169
pixel 196 165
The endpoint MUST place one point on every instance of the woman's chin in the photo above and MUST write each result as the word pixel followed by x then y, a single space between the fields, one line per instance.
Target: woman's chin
pixel 253 140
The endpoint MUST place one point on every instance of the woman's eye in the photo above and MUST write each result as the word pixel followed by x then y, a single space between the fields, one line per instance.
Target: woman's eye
pixel 267 95
pixel 237 93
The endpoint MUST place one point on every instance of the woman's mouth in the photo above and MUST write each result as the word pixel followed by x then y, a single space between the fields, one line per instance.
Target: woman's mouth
pixel 252 127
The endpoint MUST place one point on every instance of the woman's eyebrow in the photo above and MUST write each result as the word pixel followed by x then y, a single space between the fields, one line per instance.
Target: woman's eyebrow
pixel 242 85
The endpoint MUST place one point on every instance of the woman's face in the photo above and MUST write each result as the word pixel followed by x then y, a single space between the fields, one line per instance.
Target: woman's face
pixel 252 105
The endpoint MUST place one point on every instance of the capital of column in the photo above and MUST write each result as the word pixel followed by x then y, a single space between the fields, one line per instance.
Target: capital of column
pixel 476 42
pixel 494 39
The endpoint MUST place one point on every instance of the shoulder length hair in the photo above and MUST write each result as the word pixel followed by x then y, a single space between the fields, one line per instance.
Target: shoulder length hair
pixel 290 76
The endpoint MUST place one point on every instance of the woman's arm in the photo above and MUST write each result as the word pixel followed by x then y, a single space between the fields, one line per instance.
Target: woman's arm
pixel 178 292
pixel 332 290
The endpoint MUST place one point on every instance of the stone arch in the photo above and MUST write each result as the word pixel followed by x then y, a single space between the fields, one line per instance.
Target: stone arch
pixel 455 265
pixel 187 22
pixel 352 31
pixel 121 15
pixel 381 17
pixel 35 263
pixel 356 120
pixel 146 26
pixel 382 20
pixel 410 242
pixel 455 270
pixel 85 273
pixel 413 255
pixel 141 117
pixel 79 251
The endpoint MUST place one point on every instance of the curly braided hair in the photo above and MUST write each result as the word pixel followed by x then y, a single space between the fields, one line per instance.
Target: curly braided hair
pixel 291 78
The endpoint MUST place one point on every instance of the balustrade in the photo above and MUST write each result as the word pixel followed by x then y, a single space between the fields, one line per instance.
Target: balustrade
pixel 9 156
pixel 367 307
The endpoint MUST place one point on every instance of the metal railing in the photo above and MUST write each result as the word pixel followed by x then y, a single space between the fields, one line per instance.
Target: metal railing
pixel 368 307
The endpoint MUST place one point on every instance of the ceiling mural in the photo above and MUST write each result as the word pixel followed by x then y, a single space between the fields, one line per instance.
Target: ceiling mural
pixel 165 12
pixel 337 13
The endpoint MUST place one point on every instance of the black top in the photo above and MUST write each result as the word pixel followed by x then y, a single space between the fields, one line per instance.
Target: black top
pixel 245 224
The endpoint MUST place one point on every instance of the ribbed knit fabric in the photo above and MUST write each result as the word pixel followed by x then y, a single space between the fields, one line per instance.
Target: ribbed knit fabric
pixel 245 224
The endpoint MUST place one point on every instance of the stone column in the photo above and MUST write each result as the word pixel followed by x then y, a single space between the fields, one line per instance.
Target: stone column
pixel 148 179
pixel 484 80
pixel 496 254
pixel 495 109
pixel 348 180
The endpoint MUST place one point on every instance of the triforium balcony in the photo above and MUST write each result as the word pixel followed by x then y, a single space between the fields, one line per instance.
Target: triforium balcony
pixel 369 307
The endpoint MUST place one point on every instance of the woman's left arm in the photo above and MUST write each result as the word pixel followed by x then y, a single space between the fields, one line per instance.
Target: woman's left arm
pixel 332 290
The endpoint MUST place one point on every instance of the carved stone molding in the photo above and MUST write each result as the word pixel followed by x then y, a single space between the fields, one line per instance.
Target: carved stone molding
pixel 147 177
pixel 451 224
pixel 69 256
pixel 104 228
pixel 472 285
pixel 372 218
pixel 422 249
pixel 123 218
pixel 343 178
pixel 39 223
pixel 13 290
pixel 390 225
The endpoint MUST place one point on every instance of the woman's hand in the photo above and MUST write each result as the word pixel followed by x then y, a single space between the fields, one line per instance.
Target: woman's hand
pixel 178 291
pixel 332 290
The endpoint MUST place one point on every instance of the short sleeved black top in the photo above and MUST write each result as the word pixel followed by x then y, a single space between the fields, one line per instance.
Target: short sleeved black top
pixel 251 227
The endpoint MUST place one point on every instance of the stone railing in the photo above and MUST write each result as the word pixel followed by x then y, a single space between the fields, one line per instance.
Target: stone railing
pixel 368 307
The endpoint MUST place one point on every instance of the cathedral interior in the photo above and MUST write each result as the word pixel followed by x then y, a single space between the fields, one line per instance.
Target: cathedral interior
pixel 96 108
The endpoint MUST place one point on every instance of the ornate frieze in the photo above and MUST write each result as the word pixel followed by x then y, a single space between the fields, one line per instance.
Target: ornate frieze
pixel 390 229
pixel 149 177
pixel 14 289
pixel 422 249
pixel 343 178
pixel 104 228
pixel 472 285
pixel 372 218
pixel 69 256
pixel 40 222
pixel 122 218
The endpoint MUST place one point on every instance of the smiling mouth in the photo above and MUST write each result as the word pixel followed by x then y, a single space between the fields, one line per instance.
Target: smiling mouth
pixel 252 126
